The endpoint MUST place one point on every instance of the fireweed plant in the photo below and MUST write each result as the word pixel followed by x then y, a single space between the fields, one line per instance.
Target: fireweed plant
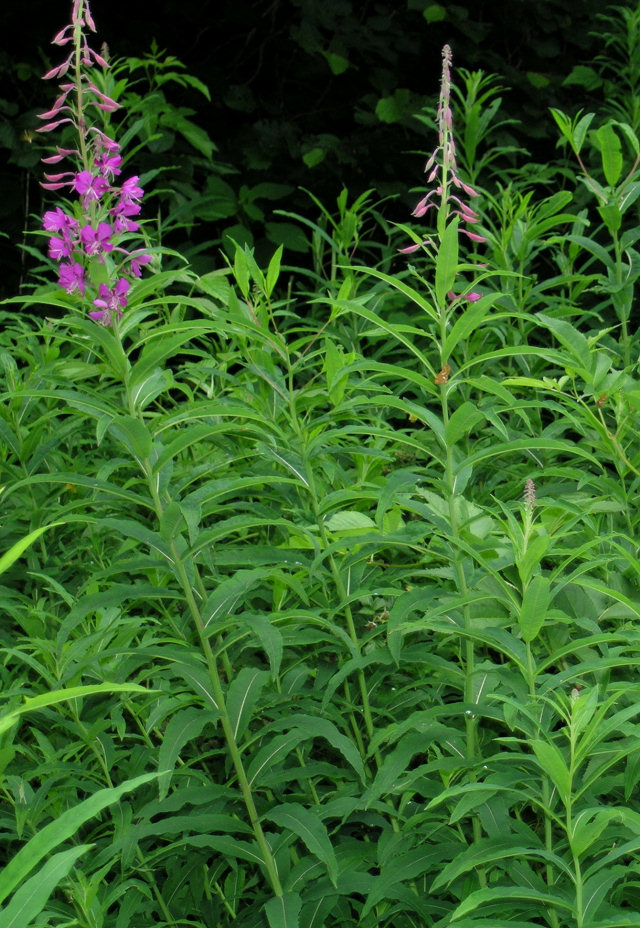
pixel 321 611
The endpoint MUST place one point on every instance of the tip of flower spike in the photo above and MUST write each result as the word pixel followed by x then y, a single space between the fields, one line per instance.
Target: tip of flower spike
pixel 529 494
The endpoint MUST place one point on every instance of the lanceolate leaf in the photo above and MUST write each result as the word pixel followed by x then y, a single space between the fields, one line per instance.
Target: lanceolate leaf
pixel 184 727
pixel 553 765
pixel 242 696
pixel 447 262
pixel 16 550
pixel 284 911
pixel 535 604
pixel 32 703
pixel 59 830
pixel 31 897
pixel 307 825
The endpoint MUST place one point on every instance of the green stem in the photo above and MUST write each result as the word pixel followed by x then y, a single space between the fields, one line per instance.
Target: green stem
pixel 471 723
pixel 217 692
pixel 624 322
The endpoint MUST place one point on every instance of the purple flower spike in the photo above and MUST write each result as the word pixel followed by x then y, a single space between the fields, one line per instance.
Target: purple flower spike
pixel 86 234
pixel 442 171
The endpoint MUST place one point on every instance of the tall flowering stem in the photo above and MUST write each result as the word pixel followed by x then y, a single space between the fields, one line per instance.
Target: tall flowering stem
pixel 448 196
pixel 89 238
pixel 443 172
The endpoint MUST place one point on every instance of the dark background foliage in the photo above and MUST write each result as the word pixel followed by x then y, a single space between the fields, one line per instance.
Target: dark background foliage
pixel 304 93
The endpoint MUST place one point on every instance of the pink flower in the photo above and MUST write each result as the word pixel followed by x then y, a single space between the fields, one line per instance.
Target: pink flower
pixel 59 248
pixel 71 277
pixel 112 302
pixel 92 186
pixel 137 263
pixel 130 190
pixel 421 208
pixel 108 165
pixel 105 210
pixel 473 236
pixel 57 221
pixel 97 241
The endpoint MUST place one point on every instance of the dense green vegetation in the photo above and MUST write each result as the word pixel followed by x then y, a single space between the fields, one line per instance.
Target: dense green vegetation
pixel 319 571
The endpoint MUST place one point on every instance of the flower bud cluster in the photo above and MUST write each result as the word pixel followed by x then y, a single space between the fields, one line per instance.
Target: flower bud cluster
pixel 529 495
pixel 443 170
pixel 88 241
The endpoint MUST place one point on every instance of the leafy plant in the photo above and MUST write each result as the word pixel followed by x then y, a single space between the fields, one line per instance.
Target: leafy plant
pixel 321 585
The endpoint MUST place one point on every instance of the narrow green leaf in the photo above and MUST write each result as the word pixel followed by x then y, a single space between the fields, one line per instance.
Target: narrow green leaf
pixel 306 824
pixel 553 764
pixel 42 700
pixel 610 152
pixel 447 262
pixel 580 131
pixel 583 708
pixel 630 135
pixel 495 893
pixel 535 604
pixel 242 696
pixel 349 520
pixel 142 392
pixel 31 897
pixel 229 593
pixel 16 550
pixel 463 419
pixel 587 827
pixel 467 322
pixel 573 340
pixel 127 528
pixel 283 911
pixel 488 851
pixel 269 636
pixel 535 551
pixel 317 727
pixel 227 846
pixel 399 868
pixel 184 726
pixel 273 271
pixel 274 752
pixel 316 912
pixel 134 435
pixel 62 828
pixel 410 292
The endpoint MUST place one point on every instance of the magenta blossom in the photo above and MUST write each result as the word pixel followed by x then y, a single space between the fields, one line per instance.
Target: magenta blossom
pixel 442 169
pixel 71 277
pixel 108 164
pixel 57 220
pixel 97 241
pixel 112 302
pixel 60 248
pixel 137 263
pixel 130 190
pixel 91 186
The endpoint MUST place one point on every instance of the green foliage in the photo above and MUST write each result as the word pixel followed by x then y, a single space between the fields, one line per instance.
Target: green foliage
pixel 321 585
